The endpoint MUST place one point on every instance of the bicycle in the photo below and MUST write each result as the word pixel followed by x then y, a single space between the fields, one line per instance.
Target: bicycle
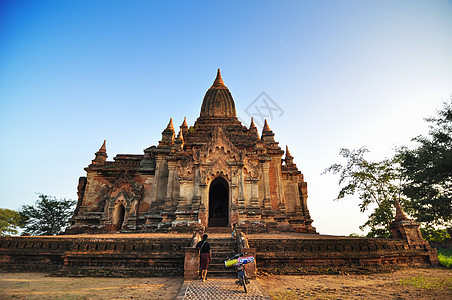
pixel 239 261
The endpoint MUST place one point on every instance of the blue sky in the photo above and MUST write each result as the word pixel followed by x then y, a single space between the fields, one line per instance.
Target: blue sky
pixel 344 73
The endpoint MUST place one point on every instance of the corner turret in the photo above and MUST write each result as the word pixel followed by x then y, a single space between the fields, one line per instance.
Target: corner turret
pixel 101 155
pixel 267 134
pixel 168 135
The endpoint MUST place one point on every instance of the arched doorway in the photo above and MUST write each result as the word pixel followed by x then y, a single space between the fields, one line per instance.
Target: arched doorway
pixel 218 203
pixel 118 216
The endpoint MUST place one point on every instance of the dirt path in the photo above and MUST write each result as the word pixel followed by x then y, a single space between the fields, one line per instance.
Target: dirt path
pixel 403 284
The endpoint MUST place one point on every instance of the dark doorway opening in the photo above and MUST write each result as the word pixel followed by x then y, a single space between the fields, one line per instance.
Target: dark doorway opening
pixel 118 216
pixel 218 203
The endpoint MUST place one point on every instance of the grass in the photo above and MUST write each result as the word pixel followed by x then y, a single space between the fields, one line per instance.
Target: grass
pixel 445 257
pixel 427 282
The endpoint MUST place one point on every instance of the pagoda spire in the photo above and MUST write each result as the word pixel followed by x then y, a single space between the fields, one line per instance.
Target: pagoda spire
pixel 218 80
pixel 179 142
pixel 184 127
pixel 252 125
pixel 103 148
pixel 266 127
pixel 289 158
pixel 168 135
pixel 253 129
pixel 267 134
pixel 287 151
pixel 170 125
pixel 218 101
pixel 400 214
pixel 101 155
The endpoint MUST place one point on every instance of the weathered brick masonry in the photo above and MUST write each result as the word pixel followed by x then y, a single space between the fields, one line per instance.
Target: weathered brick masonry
pixel 291 254
pixel 115 256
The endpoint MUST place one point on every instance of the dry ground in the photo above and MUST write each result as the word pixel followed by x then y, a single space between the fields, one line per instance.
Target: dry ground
pixel 42 286
pixel 402 284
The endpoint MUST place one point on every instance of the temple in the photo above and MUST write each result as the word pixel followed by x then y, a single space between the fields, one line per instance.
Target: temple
pixel 216 173
pixel 205 178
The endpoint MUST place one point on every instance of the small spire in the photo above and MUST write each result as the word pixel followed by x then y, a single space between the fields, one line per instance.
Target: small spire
pixel 400 214
pixel 101 155
pixel 253 129
pixel 103 148
pixel 180 136
pixel 170 125
pixel 184 124
pixel 252 125
pixel 287 151
pixel 267 134
pixel 218 81
pixel 266 127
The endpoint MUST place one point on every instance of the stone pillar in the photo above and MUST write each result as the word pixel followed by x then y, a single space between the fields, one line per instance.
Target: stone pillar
pixel 254 194
pixel 241 198
pixel 204 200
pixel 267 202
pixel 234 195
pixel 196 194
pixel 158 165
pixel 191 263
pixel 182 200
pixel 169 202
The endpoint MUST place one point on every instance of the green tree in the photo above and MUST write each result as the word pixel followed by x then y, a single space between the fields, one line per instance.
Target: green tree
pixel 374 183
pixel 428 169
pixel 10 221
pixel 49 216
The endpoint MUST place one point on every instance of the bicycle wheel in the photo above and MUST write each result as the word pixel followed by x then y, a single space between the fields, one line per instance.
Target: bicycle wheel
pixel 242 282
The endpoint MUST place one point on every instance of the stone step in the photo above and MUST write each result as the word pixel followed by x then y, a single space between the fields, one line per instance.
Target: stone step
pixel 222 242
pixel 218 230
pixel 224 273
pixel 223 247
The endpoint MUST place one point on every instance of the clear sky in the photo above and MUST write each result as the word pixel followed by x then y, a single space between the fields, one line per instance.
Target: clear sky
pixel 343 73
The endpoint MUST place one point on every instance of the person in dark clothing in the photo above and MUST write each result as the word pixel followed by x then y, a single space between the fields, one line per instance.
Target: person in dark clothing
pixel 205 255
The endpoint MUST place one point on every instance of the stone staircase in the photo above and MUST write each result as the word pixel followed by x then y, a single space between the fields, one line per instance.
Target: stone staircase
pixel 222 249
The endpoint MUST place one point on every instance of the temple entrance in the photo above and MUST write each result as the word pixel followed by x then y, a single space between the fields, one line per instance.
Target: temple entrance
pixel 218 203
pixel 118 216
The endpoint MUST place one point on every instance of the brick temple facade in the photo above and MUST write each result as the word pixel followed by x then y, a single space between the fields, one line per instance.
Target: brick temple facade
pixel 215 173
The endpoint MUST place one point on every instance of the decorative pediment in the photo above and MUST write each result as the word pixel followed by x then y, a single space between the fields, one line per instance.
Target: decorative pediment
pixel 126 186
pixel 185 168
pixel 219 146
pixel 220 166
pixel 251 168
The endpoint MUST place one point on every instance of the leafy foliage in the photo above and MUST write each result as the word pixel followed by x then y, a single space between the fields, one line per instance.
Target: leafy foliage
pixel 10 221
pixel 373 182
pixel 428 169
pixel 48 216
pixel 432 234
pixel 445 257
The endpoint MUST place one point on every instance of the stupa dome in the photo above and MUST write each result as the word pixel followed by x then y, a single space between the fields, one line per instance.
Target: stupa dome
pixel 218 101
